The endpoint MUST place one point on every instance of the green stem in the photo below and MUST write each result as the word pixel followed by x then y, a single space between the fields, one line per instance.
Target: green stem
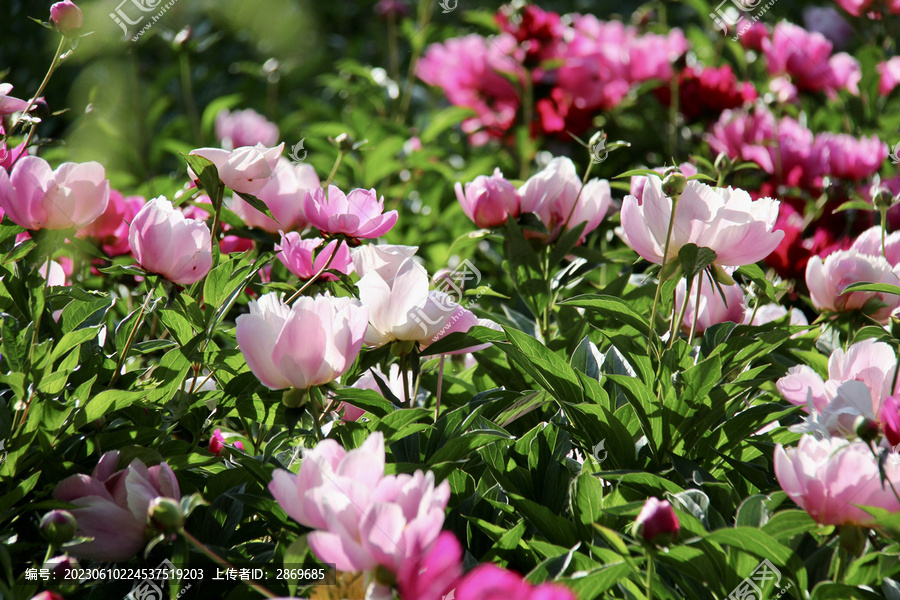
pixel 425 8
pixel 337 163
pixel 217 204
pixel 187 90
pixel 221 561
pixel 440 385
pixel 696 309
pixel 650 570
pixel 661 269
pixel 404 368
pixel 317 275
pixel 137 323
pixel 676 323
pixel 53 65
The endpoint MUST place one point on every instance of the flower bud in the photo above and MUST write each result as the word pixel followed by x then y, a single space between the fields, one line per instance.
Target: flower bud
pixel 866 429
pixel 882 199
pixel 60 565
pixel 344 142
pixel 294 397
pixel 165 514
pixel 58 527
pixel 657 522
pixel 66 16
pixel 673 183
pixel 402 347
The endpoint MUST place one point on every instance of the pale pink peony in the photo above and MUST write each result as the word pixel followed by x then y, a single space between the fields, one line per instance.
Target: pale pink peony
pixel 362 517
pixel 311 343
pixel 827 280
pixel 163 241
pixel 890 75
pixel 713 309
pixel 739 230
pixel 284 195
pixel 869 242
pixel 112 506
pixel 384 259
pixel 245 170
pixel 37 197
pixel 830 477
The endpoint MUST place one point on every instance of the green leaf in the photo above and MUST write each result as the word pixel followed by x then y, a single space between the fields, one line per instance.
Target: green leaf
pixel 612 308
pixel 635 172
pixel 256 203
pixel 694 259
pixel 881 288
pixel 854 205
pixel 754 541
pixel 206 172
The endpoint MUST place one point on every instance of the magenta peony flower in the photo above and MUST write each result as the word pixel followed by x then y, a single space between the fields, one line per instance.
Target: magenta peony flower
pixel 830 477
pixel 311 343
pixel 827 279
pixel 163 241
pixel 806 57
pixel 488 201
pixel 359 214
pixel 713 309
pixel 431 576
pixel 110 229
pixel 890 419
pixel 297 255
pixel 217 442
pixel 112 506
pixel 726 220
pixel 490 582
pixel 244 128
pixel 66 16
pixel 852 158
pixel 706 92
pixel 657 523
pixel 37 197
pixel 246 170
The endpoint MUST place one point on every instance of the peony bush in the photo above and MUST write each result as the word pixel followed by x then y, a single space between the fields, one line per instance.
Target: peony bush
pixel 383 302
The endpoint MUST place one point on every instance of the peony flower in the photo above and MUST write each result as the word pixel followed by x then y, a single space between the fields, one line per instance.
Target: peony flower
pixel 890 75
pixel 367 381
pixel 383 259
pixel 827 280
pixel 889 416
pixel 66 16
pixel 245 170
pixel 431 576
pixel 359 214
pixel 310 343
pixel 163 241
pixel 10 104
pixel 217 442
pixel 283 195
pixel 362 517
pixel 110 229
pixel 830 477
pixel 706 92
pixel 112 506
pixel 488 201
pixel 297 255
pixel 806 57
pixel 773 312
pixel 657 522
pixel 404 309
pixel 852 158
pixel 557 196
pixel 738 229
pixel 244 128
pixel 869 243
pixel 490 582
pixel 870 362
pixel 713 309
pixel 37 197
